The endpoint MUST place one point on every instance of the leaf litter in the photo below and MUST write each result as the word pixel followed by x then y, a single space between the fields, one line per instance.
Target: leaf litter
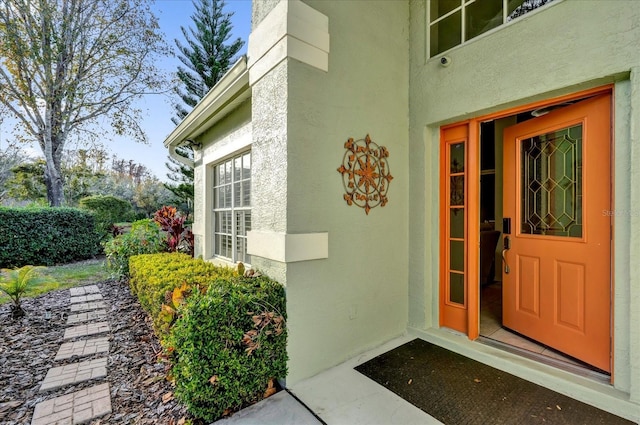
pixel 140 392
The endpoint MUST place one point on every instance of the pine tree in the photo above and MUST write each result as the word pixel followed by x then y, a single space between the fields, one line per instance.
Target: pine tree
pixel 206 57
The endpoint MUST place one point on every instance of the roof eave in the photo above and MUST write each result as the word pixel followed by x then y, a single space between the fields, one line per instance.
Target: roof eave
pixel 232 89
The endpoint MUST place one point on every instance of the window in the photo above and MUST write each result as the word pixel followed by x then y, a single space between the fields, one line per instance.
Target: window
pixel 232 207
pixel 452 22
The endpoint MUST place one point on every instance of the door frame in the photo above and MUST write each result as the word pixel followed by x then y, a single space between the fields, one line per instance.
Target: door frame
pixel 466 318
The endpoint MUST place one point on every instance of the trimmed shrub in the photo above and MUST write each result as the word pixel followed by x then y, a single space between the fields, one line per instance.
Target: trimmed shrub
pixel 108 210
pixel 224 334
pixel 155 276
pixel 46 236
pixel 228 345
pixel 143 238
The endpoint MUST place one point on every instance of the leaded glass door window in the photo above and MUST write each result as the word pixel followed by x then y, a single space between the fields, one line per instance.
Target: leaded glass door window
pixel 551 201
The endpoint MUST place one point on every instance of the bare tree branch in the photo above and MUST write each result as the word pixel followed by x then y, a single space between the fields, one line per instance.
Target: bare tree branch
pixel 66 64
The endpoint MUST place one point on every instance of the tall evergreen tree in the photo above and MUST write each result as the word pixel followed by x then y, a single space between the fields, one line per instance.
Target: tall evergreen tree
pixel 206 56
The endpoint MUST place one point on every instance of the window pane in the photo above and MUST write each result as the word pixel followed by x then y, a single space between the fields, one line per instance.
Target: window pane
pixel 518 8
pixel 456 255
pixel 246 193
pixel 513 5
pixel 456 288
pixel 456 190
pixel 456 154
pixel 442 7
pixel 219 174
pixel 227 196
pixel 237 194
pixel 241 248
pixel 220 198
pixel 456 223
pixel 247 220
pixel 229 224
pixel 481 16
pixel 446 34
pixel 237 169
pixel 240 231
pixel 217 217
pixel 246 166
pixel 228 170
pixel 227 248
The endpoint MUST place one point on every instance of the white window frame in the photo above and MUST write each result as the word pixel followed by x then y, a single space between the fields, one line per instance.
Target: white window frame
pixel 237 188
pixel 462 8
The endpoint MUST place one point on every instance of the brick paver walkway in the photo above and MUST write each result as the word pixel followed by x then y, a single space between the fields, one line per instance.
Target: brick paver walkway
pixel 86 316
pixel 83 348
pixel 84 290
pixel 86 330
pixel 88 306
pixel 81 406
pixel 85 298
pixel 73 373
pixel 75 408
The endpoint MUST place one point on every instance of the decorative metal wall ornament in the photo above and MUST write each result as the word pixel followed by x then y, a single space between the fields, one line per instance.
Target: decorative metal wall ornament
pixel 365 174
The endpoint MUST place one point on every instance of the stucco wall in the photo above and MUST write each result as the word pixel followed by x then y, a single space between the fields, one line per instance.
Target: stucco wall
pixel 302 116
pixel 269 162
pixel 567 46
pixel 357 298
pixel 230 135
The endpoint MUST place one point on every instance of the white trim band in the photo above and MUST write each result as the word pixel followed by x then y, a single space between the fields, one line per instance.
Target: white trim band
pixel 291 30
pixel 288 248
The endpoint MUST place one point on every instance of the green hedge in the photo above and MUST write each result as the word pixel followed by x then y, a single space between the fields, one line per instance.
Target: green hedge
pixel 108 210
pixel 46 236
pixel 228 341
pixel 153 275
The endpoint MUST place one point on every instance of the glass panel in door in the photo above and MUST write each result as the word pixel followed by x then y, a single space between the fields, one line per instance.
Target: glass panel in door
pixel 551 173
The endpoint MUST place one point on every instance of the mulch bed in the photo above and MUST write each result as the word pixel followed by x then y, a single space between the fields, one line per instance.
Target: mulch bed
pixel 140 394
pixel 457 390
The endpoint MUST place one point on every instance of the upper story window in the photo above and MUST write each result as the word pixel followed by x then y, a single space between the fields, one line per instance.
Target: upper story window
pixel 232 207
pixel 452 22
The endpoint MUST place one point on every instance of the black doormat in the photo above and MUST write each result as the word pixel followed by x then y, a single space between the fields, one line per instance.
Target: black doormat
pixel 457 390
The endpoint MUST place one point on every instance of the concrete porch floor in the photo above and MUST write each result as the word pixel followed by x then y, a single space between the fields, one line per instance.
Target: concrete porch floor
pixel 341 395
pixel 337 396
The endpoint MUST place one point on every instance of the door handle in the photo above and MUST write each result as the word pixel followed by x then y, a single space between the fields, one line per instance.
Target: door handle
pixel 507 245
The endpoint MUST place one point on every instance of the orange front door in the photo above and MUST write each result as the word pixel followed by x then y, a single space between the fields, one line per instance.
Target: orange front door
pixel 557 194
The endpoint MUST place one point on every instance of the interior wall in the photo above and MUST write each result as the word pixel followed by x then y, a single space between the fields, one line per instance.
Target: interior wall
pixel 500 125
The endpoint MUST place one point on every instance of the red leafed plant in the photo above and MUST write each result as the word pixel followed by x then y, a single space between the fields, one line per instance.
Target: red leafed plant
pixel 173 224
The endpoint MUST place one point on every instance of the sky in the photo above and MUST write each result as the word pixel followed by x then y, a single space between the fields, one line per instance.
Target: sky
pixel 158 109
